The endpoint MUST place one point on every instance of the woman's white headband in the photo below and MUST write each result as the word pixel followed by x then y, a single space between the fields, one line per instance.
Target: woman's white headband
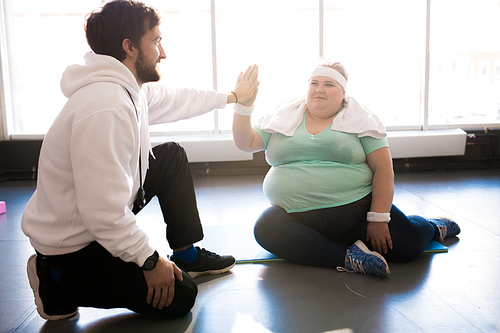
pixel 331 73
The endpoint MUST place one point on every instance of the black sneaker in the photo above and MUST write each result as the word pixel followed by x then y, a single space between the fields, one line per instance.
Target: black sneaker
pixel 206 263
pixel 55 310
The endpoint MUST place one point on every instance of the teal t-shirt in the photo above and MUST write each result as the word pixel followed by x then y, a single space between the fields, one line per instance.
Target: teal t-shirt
pixel 308 172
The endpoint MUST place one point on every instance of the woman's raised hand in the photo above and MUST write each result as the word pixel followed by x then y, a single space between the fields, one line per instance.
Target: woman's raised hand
pixel 247 86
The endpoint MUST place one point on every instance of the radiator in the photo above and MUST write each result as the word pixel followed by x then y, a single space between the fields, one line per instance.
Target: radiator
pixel 406 144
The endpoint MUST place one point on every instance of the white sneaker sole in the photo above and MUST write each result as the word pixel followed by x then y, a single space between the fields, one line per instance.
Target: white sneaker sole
pixel 35 284
pixel 212 272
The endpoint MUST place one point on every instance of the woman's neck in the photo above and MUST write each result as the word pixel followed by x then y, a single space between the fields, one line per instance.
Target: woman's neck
pixel 316 123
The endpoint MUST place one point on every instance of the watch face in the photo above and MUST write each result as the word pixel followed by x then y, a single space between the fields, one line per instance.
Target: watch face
pixel 150 263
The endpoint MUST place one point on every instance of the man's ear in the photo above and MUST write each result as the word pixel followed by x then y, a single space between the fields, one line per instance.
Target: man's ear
pixel 129 48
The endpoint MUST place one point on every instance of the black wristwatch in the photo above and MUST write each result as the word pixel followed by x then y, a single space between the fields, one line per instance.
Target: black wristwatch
pixel 151 262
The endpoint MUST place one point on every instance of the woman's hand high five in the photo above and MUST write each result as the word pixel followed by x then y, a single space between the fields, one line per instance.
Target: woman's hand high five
pixel 247 86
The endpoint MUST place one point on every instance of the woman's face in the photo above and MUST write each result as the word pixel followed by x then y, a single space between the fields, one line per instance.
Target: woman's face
pixel 324 96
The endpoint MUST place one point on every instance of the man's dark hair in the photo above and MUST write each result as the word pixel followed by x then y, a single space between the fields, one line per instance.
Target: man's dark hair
pixel 107 27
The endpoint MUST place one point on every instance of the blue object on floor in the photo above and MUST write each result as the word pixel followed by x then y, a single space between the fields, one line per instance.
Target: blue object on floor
pixel 221 239
pixel 436 247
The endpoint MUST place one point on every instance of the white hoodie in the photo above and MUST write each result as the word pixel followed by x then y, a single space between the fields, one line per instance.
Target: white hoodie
pixel 88 173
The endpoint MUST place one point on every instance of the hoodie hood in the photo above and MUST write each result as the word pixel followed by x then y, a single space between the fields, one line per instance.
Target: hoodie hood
pixel 103 68
pixel 98 68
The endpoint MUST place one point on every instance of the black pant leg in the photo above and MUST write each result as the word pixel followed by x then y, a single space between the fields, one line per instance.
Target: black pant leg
pixel 169 178
pixel 92 277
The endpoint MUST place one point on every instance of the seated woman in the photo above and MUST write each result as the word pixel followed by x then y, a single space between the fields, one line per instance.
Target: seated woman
pixel 331 183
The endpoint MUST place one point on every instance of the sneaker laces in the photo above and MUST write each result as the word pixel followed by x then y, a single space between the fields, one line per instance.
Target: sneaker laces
pixel 446 227
pixel 442 232
pixel 356 266
pixel 208 253
pixel 360 259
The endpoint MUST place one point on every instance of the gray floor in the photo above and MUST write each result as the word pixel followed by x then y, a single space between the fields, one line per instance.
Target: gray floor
pixel 456 291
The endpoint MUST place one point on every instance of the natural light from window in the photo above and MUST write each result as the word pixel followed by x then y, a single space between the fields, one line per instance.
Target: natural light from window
pixel 208 42
pixel 465 62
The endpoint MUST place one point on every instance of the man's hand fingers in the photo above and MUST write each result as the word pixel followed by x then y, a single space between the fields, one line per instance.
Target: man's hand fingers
pixel 150 294
pixel 178 273
pixel 156 298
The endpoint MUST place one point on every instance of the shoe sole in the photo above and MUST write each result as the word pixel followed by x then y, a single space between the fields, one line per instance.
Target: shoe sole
pixel 211 272
pixel 365 249
pixel 35 284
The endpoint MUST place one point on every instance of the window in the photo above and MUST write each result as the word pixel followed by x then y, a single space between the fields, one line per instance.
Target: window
pixel 381 43
pixel 464 48
pixel 497 69
pixel 187 40
pixel 281 36
pixel 393 62
pixel 43 38
pixel 278 44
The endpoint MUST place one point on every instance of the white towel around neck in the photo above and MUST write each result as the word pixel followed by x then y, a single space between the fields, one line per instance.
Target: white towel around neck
pixel 354 119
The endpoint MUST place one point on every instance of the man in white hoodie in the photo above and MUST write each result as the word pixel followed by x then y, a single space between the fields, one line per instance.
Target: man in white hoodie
pixel 93 178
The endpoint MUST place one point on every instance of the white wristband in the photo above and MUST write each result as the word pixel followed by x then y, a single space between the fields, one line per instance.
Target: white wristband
pixel 378 217
pixel 243 110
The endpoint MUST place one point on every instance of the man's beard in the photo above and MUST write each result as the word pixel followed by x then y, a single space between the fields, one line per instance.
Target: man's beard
pixel 146 72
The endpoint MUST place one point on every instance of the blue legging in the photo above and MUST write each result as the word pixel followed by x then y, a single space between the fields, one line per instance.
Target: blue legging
pixel 321 237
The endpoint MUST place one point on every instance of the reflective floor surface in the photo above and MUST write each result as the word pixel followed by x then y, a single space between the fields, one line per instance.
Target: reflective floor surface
pixel 456 291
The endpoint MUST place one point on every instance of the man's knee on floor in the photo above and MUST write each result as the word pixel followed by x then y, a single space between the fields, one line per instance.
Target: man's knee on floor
pixel 184 300
pixel 186 293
